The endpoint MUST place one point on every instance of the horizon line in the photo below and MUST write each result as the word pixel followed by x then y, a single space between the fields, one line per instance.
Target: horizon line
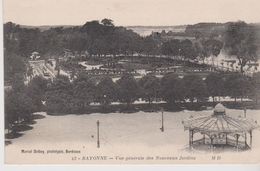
pixel 138 25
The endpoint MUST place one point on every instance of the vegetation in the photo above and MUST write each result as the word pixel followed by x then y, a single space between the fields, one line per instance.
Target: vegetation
pixel 107 91
pixel 59 96
pixel 237 85
pixel 150 88
pixel 64 96
pixel 255 94
pixel 21 101
pixel 128 89
pixel 101 39
pixel 240 41
pixel 195 88
pixel 36 91
pixel 172 89
pixel 215 85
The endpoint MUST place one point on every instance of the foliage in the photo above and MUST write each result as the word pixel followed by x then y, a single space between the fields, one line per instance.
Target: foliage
pixel 14 65
pixel 59 95
pixel 237 85
pixel 172 88
pixel 215 84
pixel 240 41
pixel 187 49
pixel 18 107
pixel 128 89
pixel 171 48
pixel 107 22
pixel 148 46
pixel 213 47
pixel 195 88
pixel 17 82
pixel 256 87
pixel 107 91
pixel 84 91
pixel 36 91
pixel 150 86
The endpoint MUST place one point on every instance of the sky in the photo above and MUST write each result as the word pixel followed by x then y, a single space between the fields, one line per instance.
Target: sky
pixel 130 12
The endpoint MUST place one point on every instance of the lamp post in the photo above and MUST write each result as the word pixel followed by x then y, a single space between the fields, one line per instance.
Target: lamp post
pixel 162 128
pixel 98 142
pixel 245 112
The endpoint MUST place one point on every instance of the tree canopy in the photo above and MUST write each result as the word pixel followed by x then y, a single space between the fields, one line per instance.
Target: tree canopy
pixel 240 41
pixel 128 89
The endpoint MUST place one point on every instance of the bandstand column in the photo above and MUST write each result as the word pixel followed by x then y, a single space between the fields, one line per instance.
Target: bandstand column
pixel 211 142
pixel 237 136
pixel 190 138
pixel 250 138
pixel 226 139
pixel 245 139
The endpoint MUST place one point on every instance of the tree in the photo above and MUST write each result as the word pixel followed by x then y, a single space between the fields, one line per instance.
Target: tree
pixel 215 84
pixel 98 38
pixel 187 50
pixel 107 22
pixel 195 88
pixel 10 35
pixel 17 82
pixel 256 87
pixel 172 88
pixel 150 86
pixel 128 89
pixel 28 41
pixel 36 90
pixel 237 85
pixel 84 91
pixel 18 107
pixel 59 97
pixel 14 64
pixel 11 113
pixel 107 91
pixel 171 48
pixel 149 45
pixel 240 41
pixel 213 47
pixel 200 49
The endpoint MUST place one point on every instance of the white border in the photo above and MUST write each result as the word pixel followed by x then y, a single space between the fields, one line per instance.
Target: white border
pixel 4 167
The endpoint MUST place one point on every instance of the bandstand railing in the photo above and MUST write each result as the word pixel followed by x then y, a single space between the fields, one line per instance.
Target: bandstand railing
pixel 230 142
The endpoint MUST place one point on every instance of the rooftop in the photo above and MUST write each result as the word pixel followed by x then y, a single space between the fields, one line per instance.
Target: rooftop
pixel 220 122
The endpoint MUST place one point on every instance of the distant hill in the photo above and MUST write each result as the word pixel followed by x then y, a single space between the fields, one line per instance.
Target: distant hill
pixel 46 27
pixel 204 28
pixel 211 28
pixel 141 30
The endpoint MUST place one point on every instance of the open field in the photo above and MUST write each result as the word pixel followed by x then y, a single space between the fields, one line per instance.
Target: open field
pixel 136 134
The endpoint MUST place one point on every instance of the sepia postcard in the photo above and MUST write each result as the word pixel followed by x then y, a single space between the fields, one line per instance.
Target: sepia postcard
pixel 131 81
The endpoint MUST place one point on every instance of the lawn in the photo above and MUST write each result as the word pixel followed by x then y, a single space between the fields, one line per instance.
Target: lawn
pixel 135 135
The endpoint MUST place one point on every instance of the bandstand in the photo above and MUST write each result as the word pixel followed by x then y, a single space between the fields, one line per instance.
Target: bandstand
pixel 220 130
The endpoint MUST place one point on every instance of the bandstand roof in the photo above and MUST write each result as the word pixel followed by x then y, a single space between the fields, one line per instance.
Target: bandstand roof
pixel 219 122
pixel 35 53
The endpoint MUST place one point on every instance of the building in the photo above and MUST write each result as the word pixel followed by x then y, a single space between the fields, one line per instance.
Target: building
pixel 220 130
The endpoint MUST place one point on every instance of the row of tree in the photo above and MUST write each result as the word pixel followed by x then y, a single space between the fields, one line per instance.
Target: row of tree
pixel 103 38
pixel 98 38
pixel 65 96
